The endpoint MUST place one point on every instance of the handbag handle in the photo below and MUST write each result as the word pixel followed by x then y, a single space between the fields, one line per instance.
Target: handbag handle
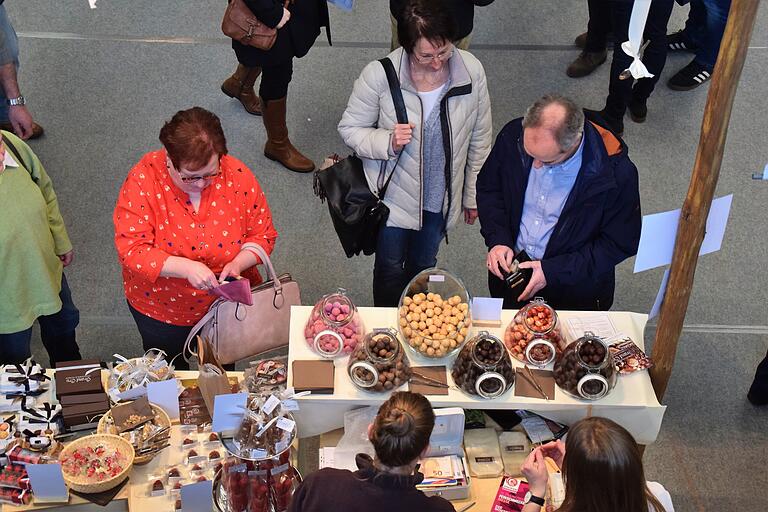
pixel 401 113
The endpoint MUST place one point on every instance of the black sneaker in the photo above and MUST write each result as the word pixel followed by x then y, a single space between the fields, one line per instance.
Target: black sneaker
pixel 677 42
pixel 690 77
pixel 638 111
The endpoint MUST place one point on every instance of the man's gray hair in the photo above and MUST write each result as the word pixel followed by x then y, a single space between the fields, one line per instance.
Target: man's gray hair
pixel 569 132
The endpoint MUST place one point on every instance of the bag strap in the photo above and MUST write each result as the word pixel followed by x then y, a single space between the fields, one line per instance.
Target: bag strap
pixel 401 113
pixel 191 337
pixel 15 152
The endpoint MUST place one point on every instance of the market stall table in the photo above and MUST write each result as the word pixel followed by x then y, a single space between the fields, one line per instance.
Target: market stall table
pixel 632 403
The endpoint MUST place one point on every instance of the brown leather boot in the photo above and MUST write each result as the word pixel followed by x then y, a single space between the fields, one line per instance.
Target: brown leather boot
pixel 586 63
pixel 278 146
pixel 240 87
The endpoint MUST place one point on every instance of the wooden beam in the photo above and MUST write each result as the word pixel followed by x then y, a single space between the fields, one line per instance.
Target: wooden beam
pixel 706 171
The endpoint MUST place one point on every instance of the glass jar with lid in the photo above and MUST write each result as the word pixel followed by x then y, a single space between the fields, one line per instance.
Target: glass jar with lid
pixel 534 334
pixel 434 315
pixel 586 369
pixel 334 327
pixel 483 368
pixel 378 363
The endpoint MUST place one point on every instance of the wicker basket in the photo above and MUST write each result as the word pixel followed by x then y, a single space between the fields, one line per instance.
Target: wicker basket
pixel 112 442
pixel 161 419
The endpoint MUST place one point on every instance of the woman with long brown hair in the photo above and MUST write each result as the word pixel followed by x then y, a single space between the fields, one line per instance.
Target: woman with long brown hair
pixel 400 437
pixel 602 470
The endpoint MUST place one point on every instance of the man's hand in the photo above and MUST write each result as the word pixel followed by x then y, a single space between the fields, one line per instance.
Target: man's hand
pixel 470 215
pixel 499 256
pixel 402 135
pixel 21 120
pixel 66 258
pixel 286 17
pixel 537 282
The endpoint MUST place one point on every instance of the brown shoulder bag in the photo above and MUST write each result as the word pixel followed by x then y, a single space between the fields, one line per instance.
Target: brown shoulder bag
pixel 242 25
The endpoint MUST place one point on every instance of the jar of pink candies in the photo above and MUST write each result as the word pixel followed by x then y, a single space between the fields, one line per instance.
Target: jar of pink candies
pixel 334 327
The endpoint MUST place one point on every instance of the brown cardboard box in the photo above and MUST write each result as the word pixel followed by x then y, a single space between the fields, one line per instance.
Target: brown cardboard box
pixel 87 398
pixel 78 381
pixel 315 376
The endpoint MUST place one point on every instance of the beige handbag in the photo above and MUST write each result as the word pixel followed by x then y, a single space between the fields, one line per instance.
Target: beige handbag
pixel 237 331
pixel 211 379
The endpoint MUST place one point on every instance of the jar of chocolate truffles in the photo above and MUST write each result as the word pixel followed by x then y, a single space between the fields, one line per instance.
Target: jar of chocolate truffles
pixel 586 369
pixel 334 327
pixel 483 367
pixel 378 363
pixel 534 334
pixel 433 314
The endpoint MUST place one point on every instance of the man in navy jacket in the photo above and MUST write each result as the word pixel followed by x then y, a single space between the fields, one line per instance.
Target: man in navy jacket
pixel 563 189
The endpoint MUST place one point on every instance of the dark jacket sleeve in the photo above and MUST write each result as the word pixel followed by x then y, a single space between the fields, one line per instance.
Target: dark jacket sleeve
pixel 618 239
pixel 482 3
pixel 494 222
pixel 269 12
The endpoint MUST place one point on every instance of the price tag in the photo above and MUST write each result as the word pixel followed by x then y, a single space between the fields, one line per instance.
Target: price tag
pixel 270 404
pixel 286 424
pixel 290 405
pixel 437 278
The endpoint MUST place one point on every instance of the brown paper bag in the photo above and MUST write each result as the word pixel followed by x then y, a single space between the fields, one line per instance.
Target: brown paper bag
pixel 212 379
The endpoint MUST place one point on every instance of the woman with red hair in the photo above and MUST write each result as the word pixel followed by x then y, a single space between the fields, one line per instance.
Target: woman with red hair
pixel 187 217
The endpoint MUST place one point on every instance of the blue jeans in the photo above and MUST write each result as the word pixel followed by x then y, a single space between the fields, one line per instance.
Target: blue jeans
pixel 403 253
pixel 9 52
pixel 57 332
pixel 704 29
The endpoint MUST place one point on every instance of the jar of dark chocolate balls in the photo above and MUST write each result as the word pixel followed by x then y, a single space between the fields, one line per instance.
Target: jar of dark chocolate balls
pixel 378 363
pixel 586 369
pixel 483 367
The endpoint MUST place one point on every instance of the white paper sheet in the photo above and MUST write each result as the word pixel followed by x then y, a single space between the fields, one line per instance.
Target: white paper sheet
pixel 487 309
pixel 659 296
pixel 657 238
pixel 165 394
pixel 598 324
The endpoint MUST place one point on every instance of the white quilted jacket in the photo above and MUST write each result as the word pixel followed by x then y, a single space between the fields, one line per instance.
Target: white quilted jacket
pixel 369 120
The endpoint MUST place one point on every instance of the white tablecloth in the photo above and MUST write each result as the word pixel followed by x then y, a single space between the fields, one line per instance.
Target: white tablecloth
pixel 632 403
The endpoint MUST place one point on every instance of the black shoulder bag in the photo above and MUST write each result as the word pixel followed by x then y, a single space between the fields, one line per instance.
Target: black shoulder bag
pixel 357 213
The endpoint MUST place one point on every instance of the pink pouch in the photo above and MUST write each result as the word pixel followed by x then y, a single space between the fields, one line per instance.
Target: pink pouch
pixel 235 291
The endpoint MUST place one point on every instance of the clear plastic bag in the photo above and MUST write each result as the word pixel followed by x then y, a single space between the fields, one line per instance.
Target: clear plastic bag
pixel 483 453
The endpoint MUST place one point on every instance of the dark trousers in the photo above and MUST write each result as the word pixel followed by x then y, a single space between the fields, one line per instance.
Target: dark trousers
pixel 57 332
pixel 705 27
pixel 403 253
pixel 166 337
pixel 614 15
pixel 275 80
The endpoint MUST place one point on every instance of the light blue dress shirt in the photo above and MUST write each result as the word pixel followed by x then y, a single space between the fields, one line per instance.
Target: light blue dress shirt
pixel 548 189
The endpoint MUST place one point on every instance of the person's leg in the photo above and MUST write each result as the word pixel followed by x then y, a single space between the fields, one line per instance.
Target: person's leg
pixel 14 347
pixel 166 337
pixel 709 45
pixel 655 54
pixel 599 25
pixel 240 86
pixel 758 391
pixel 424 244
pixel 619 91
pixel 57 331
pixel 695 25
pixel 388 266
pixel 273 91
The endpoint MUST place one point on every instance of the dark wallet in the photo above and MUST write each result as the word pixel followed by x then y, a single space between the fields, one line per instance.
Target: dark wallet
pixel 517 279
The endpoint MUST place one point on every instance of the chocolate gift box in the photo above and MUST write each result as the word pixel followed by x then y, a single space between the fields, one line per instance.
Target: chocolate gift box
pixel 78 377
pixel 80 414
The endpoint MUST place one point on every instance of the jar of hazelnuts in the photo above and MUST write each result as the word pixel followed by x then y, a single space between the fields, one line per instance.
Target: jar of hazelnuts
pixel 483 367
pixel 433 315
pixel 378 363
pixel 534 335
pixel 334 327
pixel 586 369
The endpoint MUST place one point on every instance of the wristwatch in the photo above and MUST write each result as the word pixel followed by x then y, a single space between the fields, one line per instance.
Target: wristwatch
pixel 16 101
pixel 530 498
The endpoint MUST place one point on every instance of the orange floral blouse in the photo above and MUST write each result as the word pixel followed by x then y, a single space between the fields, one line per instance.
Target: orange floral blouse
pixel 154 219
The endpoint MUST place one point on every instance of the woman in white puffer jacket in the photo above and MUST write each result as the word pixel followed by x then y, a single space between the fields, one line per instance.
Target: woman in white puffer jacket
pixel 435 158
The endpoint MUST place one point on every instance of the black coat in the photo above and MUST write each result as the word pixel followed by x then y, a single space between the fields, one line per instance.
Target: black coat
pixel 463 13
pixel 598 228
pixel 294 39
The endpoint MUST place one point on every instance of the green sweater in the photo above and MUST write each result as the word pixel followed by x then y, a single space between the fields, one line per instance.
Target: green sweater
pixel 32 234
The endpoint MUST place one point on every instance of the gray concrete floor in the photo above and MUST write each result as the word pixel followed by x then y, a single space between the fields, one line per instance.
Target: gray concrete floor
pixel 103 81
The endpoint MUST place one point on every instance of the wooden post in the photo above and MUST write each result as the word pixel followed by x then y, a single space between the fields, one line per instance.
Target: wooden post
pixel 706 170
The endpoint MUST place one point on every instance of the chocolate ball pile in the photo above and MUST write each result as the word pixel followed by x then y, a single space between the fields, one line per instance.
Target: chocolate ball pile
pixel 479 356
pixel 432 325
pixel 335 314
pixel 384 353
pixel 534 321
pixel 579 359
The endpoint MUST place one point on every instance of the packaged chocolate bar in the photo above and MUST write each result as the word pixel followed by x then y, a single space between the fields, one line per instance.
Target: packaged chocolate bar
pixel 15 496
pixel 15 476
pixel 627 356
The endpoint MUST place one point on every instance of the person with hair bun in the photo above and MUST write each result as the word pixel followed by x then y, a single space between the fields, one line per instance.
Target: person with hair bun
pixel 187 218
pixel 602 469
pixel 400 437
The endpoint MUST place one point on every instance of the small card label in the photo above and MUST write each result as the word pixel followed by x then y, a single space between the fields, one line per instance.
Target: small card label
pixel 270 404
pixel 286 424
pixel 514 448
pixel 436 278
pixel 290 405
pixel 484 459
